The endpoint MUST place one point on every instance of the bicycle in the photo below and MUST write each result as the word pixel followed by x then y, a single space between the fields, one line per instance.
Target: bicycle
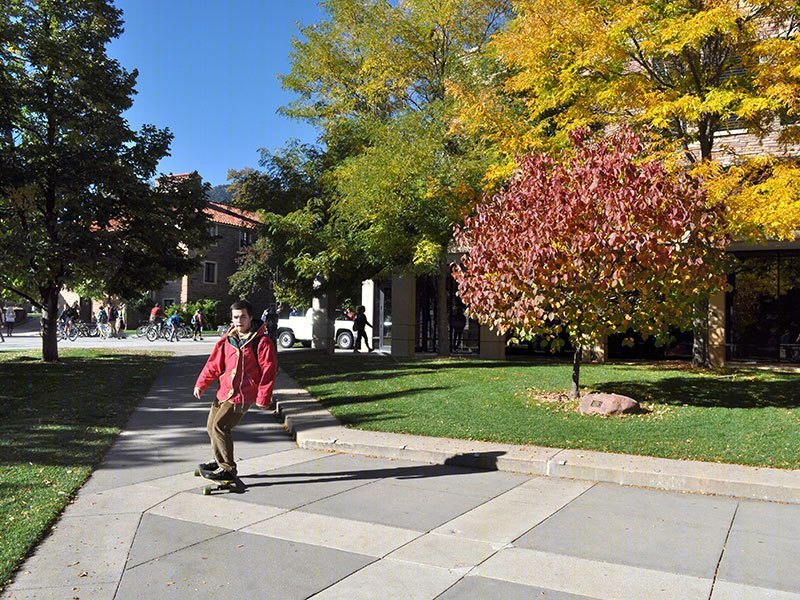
pixel 87 329
pixel 153 331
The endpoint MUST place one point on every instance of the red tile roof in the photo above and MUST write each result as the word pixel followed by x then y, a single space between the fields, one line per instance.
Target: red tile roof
pixel 234 217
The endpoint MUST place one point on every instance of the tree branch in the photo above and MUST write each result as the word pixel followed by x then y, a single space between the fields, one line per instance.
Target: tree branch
pixel 5 286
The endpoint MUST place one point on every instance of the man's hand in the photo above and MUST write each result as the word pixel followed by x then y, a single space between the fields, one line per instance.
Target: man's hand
pixel 198 392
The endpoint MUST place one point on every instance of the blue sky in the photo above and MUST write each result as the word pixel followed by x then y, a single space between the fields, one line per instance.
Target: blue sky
pixel 208 71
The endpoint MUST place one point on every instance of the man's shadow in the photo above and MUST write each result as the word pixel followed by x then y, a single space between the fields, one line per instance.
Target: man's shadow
pixel 460 464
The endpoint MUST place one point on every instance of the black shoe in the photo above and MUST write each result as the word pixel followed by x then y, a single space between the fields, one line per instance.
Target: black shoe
pixel 220 474
pixel 209 466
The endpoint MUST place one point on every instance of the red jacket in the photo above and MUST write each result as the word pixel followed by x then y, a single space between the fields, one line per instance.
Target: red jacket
pixel 245 375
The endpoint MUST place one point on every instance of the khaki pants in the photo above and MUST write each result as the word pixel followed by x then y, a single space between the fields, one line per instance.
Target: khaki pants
pixel 222 418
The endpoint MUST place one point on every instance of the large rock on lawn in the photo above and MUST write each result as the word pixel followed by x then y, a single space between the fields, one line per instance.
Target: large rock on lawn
pixel 608 405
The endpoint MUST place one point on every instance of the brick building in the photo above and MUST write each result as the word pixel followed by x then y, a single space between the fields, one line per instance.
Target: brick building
pixel 234 229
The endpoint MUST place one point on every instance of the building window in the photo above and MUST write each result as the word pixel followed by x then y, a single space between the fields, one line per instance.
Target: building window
pixel 245 238
pixel 214 231
pixel 167 302
pixel 209 272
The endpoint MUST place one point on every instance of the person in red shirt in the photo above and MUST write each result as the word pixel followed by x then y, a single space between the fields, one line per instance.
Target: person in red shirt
pixel 156 313
pixel 245 362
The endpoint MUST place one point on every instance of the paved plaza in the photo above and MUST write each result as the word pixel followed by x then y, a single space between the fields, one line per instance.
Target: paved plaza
pixel 331 525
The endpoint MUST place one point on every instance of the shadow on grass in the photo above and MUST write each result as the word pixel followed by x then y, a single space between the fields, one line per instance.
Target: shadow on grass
pixel 68 413
pixel 711 392
pixel 329 401
pixel 317 368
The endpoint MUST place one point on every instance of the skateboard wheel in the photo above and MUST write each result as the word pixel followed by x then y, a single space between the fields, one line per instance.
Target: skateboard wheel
pixel 197 472
pixel 207 491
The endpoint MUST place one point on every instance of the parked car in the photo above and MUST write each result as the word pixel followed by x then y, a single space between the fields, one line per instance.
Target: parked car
pixel 298 328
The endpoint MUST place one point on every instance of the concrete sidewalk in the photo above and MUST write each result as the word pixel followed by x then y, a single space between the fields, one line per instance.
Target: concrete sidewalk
pixel 330 525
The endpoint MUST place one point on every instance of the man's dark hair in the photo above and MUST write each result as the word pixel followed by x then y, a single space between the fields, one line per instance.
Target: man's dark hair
pixel 242 305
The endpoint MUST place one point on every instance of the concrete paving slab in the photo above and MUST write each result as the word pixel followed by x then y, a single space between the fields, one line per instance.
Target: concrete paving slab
pixel 74 592
pixel 396 506
pixel 158 536
pixel 663 531
pixel 473 588
pixel 240 565
pixel 507 517
pixel 768 518
pixel 301 484
pixel 595 579
pixel 332 532
pixel 135 498
pixel 390 580
pixel 544 491
pixel 725 590
pixel 445 551
pixel 459 480
pixel 761 561
pixel 217 510
pixel 276 460
pixel 75 555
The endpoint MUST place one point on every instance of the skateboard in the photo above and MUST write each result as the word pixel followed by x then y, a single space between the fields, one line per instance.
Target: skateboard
pixel 234 485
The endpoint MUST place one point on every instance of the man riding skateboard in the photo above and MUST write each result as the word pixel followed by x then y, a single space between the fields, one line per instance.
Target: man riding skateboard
pixel 244 361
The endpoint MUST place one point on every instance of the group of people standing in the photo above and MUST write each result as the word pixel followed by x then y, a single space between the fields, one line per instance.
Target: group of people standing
pixel 111 321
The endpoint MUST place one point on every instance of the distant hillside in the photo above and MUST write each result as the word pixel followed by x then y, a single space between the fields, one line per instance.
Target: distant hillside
pixel 219 193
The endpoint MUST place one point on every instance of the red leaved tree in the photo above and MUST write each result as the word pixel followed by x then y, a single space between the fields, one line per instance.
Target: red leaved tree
pixel 597 242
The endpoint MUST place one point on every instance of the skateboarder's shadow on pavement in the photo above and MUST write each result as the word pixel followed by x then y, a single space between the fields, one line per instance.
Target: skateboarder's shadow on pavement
pixel 460 464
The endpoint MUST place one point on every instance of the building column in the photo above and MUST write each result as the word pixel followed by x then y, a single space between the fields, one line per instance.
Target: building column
pixel 716 330
pixel 368 302
pixel 492 344
pixel 404 312
pixel 320 306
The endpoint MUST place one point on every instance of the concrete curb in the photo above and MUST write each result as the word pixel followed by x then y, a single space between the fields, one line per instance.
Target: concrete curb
pixel 314 428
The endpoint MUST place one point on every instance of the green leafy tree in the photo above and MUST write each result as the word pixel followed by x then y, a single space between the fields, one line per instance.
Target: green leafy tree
pixel 391 178
pixel 379 70
pixel 76 201
pixel 302 243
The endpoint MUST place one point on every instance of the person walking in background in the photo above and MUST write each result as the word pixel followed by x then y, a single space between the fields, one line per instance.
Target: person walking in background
pixel 113 316
pixel 121 322
pixel 102 322
pixel 197 325
pixel 244 361
pixel 174 322
pixel 2 322
pixel 270 318
pixel 360 324
pixel 11 318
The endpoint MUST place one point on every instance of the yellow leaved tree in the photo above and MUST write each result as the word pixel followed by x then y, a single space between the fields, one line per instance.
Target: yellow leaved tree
pixel 704 75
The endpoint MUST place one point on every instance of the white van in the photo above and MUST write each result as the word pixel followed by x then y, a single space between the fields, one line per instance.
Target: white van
pixel 299 329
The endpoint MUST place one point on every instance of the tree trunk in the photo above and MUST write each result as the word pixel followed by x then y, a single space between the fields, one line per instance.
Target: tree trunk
pixel 700 342
pixel 576 373
pixel 50 320
pixel 442 313
pixel 700 354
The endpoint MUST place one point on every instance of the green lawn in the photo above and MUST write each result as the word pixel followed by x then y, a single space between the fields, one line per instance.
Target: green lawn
pixel 743 416
pixel 56 422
